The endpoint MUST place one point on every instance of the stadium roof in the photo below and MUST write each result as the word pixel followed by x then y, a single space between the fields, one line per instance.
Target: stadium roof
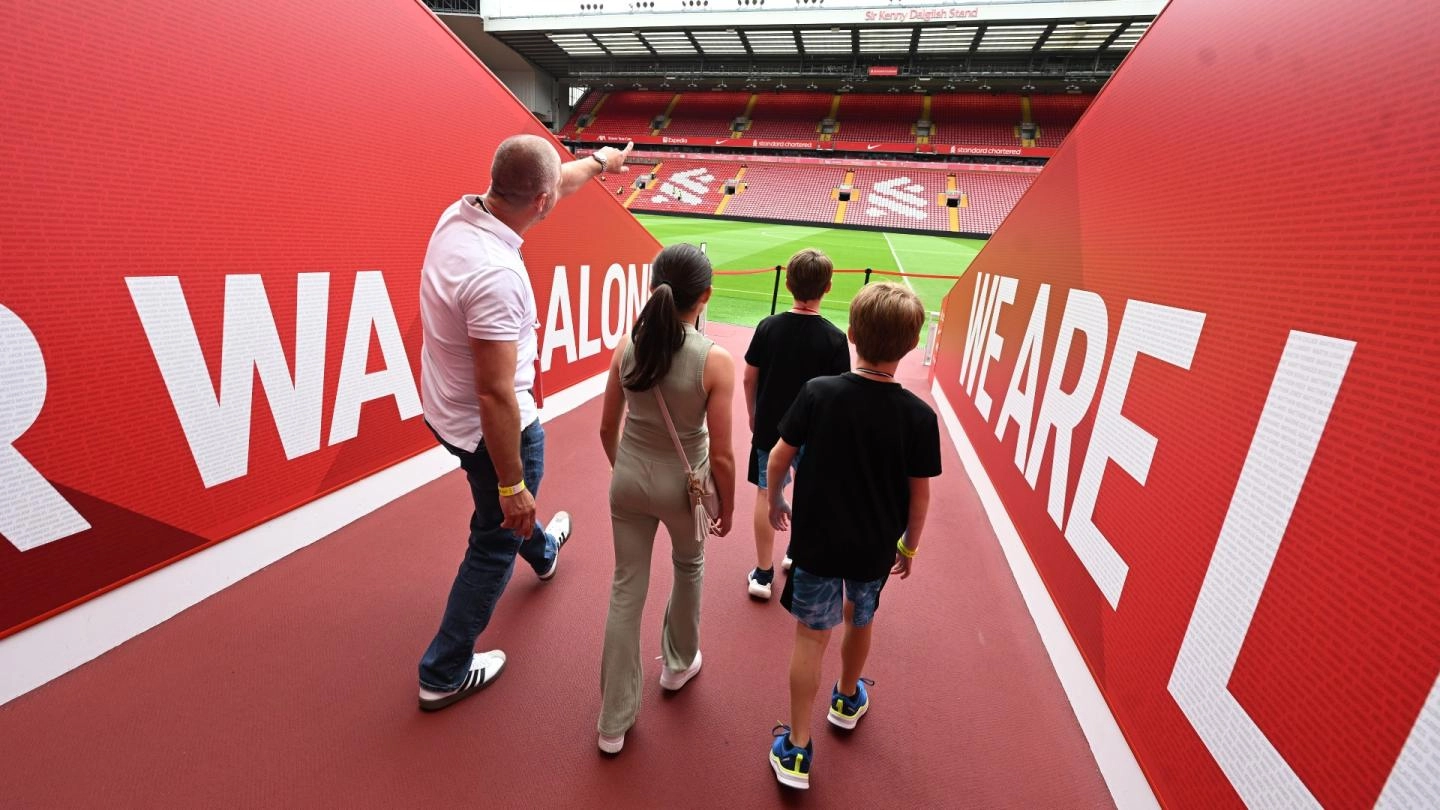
pixel 829 42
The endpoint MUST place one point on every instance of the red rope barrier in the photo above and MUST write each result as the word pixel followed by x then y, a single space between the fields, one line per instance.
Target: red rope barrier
pixel 898 274
pixel 895 273
pixel 744 272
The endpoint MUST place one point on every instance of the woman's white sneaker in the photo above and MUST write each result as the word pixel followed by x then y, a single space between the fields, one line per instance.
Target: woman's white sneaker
pixel 612 745
pixel 484 669
pixel 673 680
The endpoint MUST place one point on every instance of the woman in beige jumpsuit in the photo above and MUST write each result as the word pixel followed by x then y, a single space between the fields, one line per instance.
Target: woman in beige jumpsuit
pixel 697 379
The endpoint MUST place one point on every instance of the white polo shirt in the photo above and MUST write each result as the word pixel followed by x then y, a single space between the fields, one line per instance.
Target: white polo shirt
pixel 473 285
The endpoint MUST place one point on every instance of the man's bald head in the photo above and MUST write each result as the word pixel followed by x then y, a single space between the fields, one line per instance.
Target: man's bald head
pixel 525 166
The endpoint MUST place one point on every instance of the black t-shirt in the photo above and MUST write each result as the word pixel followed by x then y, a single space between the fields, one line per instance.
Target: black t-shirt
pixel 864 440
pixel 790 349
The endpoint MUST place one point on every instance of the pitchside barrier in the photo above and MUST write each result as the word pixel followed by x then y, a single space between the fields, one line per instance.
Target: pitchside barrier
pixel 779 273
pixel 1199 367
pixel 182 217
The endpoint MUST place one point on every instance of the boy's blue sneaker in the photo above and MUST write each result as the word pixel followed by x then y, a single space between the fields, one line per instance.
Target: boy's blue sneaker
pixel 791 763
pixel 845 712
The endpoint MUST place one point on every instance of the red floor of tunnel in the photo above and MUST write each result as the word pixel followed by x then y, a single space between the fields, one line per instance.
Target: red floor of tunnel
pixel 296 686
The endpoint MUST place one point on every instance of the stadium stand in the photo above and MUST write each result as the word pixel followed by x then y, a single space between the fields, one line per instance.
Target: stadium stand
pixel 706 114
pixel 888 117
pixel 684 186
pixel 1055 115
pixel 910 197
pixel 584 107
pixel 990 196
pixel 794 192
pixel 898 198
pixel 789 114
pixel 975 118
pixel 978 119
pixel 629 113
pixel 892 197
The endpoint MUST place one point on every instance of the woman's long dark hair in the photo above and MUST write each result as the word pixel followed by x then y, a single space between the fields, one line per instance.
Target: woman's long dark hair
pixel 678 277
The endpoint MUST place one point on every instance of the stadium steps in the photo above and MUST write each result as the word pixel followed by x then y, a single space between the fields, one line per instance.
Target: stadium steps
pixel 739 188
pixel 954 213
pixel 668 110
pixel 749 111
pixel 655 170
pixel 840 209
pixel 592 110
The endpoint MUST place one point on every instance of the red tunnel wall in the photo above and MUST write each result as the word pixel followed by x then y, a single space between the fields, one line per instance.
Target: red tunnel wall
pixel 1282 656
pixel 213 142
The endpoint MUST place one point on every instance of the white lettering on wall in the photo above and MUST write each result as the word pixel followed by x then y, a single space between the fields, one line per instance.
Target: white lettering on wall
pixel 1061 410
pixel 975 330
pixel 994 343
pixel 1291 423
pixel 612 327
pixel 32 512
pixel 572 331
pixel 1019 404
pixel 639 282
pixel 559 322
pixel 1415 779
pixel 370 309
pixel 1165 333
pixel 218 427
pixel 588 346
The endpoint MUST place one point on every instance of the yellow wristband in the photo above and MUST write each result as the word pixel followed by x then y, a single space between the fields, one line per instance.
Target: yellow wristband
pixel 515 490
pixel 905 551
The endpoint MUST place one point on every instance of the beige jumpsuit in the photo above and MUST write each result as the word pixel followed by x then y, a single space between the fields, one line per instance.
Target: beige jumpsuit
pixel 648 488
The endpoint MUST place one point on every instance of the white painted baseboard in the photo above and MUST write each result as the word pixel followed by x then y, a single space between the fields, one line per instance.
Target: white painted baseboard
pixel 39 654
pixel 1117 763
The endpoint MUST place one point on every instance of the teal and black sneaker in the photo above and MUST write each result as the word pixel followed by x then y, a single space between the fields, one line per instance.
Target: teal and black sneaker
pixel 845 712
pixel 791 763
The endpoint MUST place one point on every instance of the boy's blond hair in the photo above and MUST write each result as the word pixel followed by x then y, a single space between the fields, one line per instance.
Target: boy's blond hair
pixel 808 274
pixel 885 322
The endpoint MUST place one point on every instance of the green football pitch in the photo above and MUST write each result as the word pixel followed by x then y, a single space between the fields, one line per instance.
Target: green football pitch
pixel 745 299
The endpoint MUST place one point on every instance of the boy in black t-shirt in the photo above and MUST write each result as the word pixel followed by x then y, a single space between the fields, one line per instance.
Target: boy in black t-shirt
pixel 787 351
pixel 871 448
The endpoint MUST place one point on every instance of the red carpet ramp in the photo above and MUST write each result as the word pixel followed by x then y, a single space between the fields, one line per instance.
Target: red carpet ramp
pixel 200 197
pixel 1198 362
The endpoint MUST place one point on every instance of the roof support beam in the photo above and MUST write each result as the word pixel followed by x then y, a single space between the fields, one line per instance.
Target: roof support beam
pixel 1110 40
pixel 1040 43
pixel 599 44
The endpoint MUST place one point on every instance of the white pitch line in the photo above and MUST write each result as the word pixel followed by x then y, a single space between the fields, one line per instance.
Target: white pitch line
pixel 898 265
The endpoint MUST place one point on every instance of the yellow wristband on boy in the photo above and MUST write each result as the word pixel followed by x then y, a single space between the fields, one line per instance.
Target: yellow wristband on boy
pixel 905 551
pixel 515 490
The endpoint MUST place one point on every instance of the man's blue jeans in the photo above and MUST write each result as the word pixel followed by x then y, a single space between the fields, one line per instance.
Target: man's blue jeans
pixel 489 560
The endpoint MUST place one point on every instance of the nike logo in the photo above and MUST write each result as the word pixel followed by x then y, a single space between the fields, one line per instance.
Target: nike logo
pixel 870 146
pixel 722 140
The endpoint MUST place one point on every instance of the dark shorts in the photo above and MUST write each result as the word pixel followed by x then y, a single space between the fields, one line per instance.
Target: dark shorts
pixel 819 602
pixel 760 460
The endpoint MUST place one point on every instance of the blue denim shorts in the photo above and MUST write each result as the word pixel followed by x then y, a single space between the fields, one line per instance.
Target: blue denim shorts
pixel 819 604
pixel 761 461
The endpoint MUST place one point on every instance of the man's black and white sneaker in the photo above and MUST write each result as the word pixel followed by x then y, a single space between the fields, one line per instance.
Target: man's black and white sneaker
pixel 559 528
pixel 484 669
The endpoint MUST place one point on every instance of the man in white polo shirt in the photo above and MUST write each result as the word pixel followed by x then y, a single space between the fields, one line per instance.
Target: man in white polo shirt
pixel 477 379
